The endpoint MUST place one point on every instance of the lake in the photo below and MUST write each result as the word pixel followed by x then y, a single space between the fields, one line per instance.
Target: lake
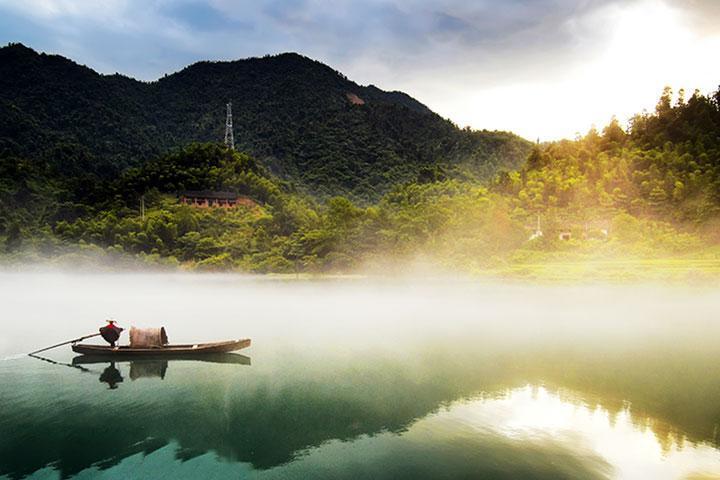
pixel 358 378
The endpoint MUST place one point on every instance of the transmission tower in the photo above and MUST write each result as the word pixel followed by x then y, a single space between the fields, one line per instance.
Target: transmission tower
pixel 229 138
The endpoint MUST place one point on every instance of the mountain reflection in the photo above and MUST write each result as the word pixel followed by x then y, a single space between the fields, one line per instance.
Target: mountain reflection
pixel 299 411
pixel 525 432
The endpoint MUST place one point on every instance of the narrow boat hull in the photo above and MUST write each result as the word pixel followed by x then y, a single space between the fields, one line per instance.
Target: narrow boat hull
pixel 169 350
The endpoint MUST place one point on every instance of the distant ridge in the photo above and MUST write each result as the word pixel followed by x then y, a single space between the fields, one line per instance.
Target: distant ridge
pixel 292 113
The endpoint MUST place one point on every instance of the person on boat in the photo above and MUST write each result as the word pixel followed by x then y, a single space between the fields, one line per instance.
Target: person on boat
pixel 111 332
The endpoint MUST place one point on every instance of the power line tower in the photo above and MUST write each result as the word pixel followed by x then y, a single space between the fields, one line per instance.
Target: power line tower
pixel 229 138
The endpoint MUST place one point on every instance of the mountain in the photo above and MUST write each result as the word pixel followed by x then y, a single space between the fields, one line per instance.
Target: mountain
pixel 301 119
pixel 90 168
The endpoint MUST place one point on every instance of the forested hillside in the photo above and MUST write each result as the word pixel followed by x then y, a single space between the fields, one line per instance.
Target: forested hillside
pixel 666 167
pixel 644 194
pixel 304 121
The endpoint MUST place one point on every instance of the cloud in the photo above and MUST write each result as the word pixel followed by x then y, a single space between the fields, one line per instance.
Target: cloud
pixel 483 63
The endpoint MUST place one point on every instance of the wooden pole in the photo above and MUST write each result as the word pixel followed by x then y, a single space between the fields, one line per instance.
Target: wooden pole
pixel 64 343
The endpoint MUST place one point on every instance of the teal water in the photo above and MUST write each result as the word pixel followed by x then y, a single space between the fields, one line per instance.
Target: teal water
pixel 361 379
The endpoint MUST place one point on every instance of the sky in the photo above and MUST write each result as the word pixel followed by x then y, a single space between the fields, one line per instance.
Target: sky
pixel 545 69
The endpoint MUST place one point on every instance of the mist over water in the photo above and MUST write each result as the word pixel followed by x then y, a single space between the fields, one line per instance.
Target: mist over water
pixel 363 378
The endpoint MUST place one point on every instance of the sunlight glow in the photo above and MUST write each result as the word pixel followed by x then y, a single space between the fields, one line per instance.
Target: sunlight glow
pixel 647 46
pixel 535 415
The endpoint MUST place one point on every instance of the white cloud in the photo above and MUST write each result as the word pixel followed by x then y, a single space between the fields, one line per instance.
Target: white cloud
pixel 567 88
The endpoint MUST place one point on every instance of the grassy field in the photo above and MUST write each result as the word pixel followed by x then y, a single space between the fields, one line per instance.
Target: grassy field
pixel 676 269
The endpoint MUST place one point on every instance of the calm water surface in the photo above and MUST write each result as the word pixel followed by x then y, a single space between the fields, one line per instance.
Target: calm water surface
pixel 362 379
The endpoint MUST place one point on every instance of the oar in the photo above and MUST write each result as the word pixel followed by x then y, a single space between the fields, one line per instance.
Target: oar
pixel 64 343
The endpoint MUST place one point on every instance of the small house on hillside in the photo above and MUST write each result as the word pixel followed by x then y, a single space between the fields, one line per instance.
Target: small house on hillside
pixel 565 235
pixel 209 198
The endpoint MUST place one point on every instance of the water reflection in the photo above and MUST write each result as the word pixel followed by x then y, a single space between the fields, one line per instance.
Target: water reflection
pixel 111 376
pixel 527 432
pixel 54 362
pixel 226 358
pixel 361 382
pixel 152 369
pixel 138 369
pixel 147 367
pixel 433 414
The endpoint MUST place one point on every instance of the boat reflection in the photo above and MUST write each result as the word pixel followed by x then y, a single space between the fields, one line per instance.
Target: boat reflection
pixel 54 362
pixel 111 376
pixel 150 367
pixel 227 358
pixel 475 414
pixel 138 369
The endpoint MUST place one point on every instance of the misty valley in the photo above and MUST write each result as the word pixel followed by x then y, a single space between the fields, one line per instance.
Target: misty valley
pixel 358 378
pixel 427 240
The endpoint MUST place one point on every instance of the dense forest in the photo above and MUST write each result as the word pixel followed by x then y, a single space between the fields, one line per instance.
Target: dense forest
pixel 302 120
pixel 644 193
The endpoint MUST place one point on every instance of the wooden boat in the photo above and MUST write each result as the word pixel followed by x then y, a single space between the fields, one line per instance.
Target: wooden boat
pixel 169 350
